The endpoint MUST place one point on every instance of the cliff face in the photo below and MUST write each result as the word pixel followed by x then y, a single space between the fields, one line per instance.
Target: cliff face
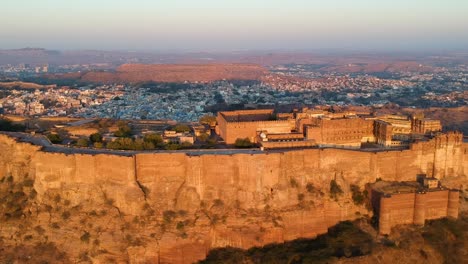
pixel 173 208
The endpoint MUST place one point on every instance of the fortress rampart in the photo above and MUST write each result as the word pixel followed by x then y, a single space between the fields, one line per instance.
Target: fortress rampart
pixel 179 181
pixel 416 208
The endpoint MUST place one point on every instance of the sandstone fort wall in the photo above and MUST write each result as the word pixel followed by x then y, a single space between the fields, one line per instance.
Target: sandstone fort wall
pixel 178 181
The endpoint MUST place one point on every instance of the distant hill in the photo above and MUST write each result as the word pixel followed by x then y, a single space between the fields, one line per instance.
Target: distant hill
pixel 24 85
pixel 134 73
pixel 332 61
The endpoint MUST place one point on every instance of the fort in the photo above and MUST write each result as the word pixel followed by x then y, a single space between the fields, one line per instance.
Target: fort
pixel 227 198
pixel 322 128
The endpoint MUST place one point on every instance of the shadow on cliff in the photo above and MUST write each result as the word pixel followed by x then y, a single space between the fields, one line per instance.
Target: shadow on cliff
pixel 345 239
pixel 439 241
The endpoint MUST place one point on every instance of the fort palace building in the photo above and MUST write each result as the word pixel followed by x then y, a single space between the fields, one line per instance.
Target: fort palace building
pixel 313 127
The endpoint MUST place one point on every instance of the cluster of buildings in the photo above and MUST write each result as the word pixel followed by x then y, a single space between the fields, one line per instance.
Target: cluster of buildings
pixel 297 85
pixel 316 127
pixel 57 101
pixel 24 68
pixel 457 97
pixel 442 87
pixel 332 83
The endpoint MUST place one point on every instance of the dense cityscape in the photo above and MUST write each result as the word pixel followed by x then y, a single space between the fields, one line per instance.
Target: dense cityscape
pixel 295 85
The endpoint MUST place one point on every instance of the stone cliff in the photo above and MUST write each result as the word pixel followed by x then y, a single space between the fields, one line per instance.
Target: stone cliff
pixel 175 207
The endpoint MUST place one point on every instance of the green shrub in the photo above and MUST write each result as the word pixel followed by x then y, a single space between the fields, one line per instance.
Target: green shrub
pixel 57 198
pixel 182 213
pixel 66 215
pixel 207 119
pixel 85 237
pixel 243 143
pixel 172 146
pixel 180 225
pixel 181 128
pixel 310 188
pixel 98 145
pixel 218 202
pixel 82 142
pixel 300 197
pixel 357 195
pixel 293 183
pixel 123 130
pixel 169 215
pixel 54 138
pixel 95 138
pixel 335 189
pixel 40 231
pixel 153 138
pixel 28 182
pixel 109 201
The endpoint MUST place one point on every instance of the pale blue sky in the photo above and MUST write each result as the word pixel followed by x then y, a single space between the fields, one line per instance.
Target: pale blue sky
pixel 219 25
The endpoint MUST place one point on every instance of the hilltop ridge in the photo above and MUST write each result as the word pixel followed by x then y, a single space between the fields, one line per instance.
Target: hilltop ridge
pixel 177 73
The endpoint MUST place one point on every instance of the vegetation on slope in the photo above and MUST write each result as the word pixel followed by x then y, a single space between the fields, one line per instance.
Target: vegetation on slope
pixel 449 237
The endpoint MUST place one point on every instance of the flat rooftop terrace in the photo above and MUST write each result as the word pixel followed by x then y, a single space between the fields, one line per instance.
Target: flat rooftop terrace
pixel 248 115
pixel 396 187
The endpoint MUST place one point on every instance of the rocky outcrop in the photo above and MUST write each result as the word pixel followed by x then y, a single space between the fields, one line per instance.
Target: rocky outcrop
pixel 175 207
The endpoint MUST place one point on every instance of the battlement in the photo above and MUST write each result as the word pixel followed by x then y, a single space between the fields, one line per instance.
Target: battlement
pixel 412 202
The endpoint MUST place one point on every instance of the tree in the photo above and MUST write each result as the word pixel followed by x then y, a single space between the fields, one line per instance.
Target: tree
pixel 181 128
pixel 149 145
pixel 211 142
pixel 98 145
pixel 243 143
pixel 124 130
pixel 82 142
pixel 96 137
pixel 208 120
pixel 186 145
pixel 139 144
pixel 126 143
pixel 172 146
pixel 113 145
pixel 54 138
pixel 153 138
pixel 203 137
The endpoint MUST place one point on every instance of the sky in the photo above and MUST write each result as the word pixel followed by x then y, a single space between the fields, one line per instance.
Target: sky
pixel 232 25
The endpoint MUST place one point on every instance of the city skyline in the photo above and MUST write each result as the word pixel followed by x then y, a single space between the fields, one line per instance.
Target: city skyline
pixel 235 25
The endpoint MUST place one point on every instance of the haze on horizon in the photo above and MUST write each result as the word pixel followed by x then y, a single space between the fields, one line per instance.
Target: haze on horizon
pixel 221 25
